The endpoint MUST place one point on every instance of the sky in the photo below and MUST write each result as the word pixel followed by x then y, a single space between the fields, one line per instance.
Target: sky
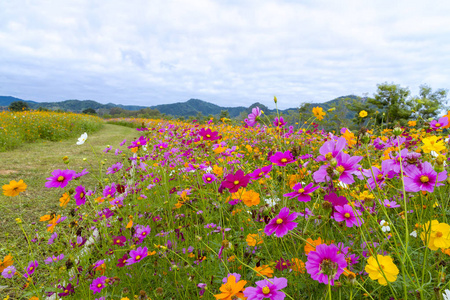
pixel 231 53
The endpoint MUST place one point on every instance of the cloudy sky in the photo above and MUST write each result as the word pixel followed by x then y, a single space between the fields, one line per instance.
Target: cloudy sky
pixel 231 53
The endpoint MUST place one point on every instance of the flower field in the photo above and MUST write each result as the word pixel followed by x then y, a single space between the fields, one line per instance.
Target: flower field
pixel 260 211
pixel 17 128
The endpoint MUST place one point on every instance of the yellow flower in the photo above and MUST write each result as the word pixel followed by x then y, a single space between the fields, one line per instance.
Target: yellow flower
pixel 383 270
pixel 412 123
pixel 349 137
pixel 231 289
pixel 363 114
pixel 318 112
pixel 64 200
pixel 437 236
pixel 432 144
pixel 14 188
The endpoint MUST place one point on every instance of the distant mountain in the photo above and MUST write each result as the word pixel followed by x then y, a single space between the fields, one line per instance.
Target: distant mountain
pixel 180 109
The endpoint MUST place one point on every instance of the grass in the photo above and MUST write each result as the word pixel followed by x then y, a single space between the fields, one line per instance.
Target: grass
pixel 33 162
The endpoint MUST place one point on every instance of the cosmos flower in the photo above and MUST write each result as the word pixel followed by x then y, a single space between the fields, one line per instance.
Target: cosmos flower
pixel 98 284
pixel 82 139
pixel 209 178
pixel 234 181
pixel 267 289
pixel 31 268
pixel 60 178
pixel 282 158
pixel 282 223
pixel 260 173
pixel 302 193
pixel 318 112
pixel 330 149
pixel 137 255
pixel 232 288
pixel 325 264
pixel 114 168
pixel 9 272
pixel 347 214
pixel 279 122
pixel 436 235
pixel 80 195
pixel 442 122
pixel 423 179
pixel 209 135
pixel 14 188
pixel 382 269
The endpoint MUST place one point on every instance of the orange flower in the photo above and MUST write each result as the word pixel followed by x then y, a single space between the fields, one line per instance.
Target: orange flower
pixel 350 137
pixel 7 261
pixel 318 112
pixel 254 239
pixel 64 200
pixel 130 223
pixel 53 223
pixel 14 188
pixel 297 265
pixel 250 198
pixel 264 270
pixel 231 289
pixel 218 170
pixel 312 244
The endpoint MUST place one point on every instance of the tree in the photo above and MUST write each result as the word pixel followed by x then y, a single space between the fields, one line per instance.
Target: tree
pixel 392 102
pixel 18 106
pixel 89 111
pixel 428 104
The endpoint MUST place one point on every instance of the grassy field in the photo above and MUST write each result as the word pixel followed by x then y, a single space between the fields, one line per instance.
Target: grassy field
pixel 34 162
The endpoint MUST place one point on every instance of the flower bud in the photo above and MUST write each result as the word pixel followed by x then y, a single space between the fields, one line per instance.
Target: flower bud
pixel 397 131
pixel 275 99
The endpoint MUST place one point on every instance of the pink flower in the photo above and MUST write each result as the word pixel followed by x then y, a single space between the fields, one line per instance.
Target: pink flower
pixel 60 178
pixel 253 117
pixel 346 213
pixel 98 284
pixel 325 264
pixel 439 124
pixel 423 179
pixel 234 181
pixel 301 193
pixel 267 289
pixel 80 195
pixel 137 255
pixel 281 224
pixel 282 159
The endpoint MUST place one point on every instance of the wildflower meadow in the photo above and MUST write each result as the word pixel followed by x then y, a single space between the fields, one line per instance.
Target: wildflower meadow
pixel 255 211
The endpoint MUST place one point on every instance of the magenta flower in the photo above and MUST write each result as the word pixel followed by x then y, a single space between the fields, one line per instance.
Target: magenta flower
pixel 60 178
pixel 142 231
pixel 119 240
pixel 139 142
pixel 209 135
pixel 376 179
pixel 335 200
pixel 282 158
pixel 346 167
pixel 52 238
pixel 301 193
pixel 98 284
pixel 137 255
pixel 234 181
pixel 259 173
pixel 390 204
pixel 122 261
pixel 439 124
pixel 31 268
pixel 269 289
pixel 279 122
pixel 80 195
pixel 9 272
pixel 253 117
pixel 209 178
pixel 325 264
pixel 423 179
pixel 331 149
pixel 53 258
pixel 67 290
pixel 346 213
pixel 282 223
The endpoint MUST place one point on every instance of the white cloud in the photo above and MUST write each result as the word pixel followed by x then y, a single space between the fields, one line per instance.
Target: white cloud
pixel 226 52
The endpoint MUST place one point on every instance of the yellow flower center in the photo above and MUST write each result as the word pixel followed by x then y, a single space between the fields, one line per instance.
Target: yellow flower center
pixel 265 290
pixel 208 178
pixel 279 221
pixel 283 160
pixel 439 234
pixel 328 156
pixel 347 215
pixel 437 125
pixel 144 233
pixel 81 195
pixel 424 179
pixel 31 268
pixel 138 143
pixel 99 285
pixel 138 257
pixel 66 291
pixel 340 169
pixel 117 241
pixel 61 178
pixel 380 176
pixel 208 136
pixel 301 191
pixel 261 174
pixel 236 182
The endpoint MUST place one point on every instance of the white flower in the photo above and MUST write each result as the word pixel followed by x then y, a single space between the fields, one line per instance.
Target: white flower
pixel 82 139
pixel 434 154
pixel 446 294
pixel 414 234
pixel 271 202
pixel 385 226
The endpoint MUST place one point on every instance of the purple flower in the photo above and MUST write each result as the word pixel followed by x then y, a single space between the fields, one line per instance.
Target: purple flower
pixel 325 264
pixel 53 258
pixel 31 268
pixel 60 178
pixel 122 261
pixel 67 290
pixel 375 177
pixel 282 264
pixel 119 240
pixel 346 167
pixel 234 181
pixel 267 289
pixel 82 173
pixel 282 223
pixel 98 284
pixel 259 173
pixel 139 142
pixel 80 195
pixel 331 149
pixel 52 238
pixel 335 200
pixel 137 255
pixel 423 179
pixel 253 117
pixel 114 168
pixel 9 272
pixel 282 158
pixel 346 213
pixel 439 124
pixel 142 231
pixel 236 275
pixel 301 193
pixel 123 142
pixel 209 178
pixel 209 135
pixel 390 204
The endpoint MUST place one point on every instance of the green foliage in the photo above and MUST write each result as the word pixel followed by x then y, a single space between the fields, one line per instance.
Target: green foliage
pixel 18 106
pixel 89 111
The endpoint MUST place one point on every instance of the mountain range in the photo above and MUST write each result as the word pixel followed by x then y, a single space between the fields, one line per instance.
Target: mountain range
pixel 185 109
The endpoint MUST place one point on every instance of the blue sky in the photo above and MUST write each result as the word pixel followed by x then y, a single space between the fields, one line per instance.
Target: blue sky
pixel 226 52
